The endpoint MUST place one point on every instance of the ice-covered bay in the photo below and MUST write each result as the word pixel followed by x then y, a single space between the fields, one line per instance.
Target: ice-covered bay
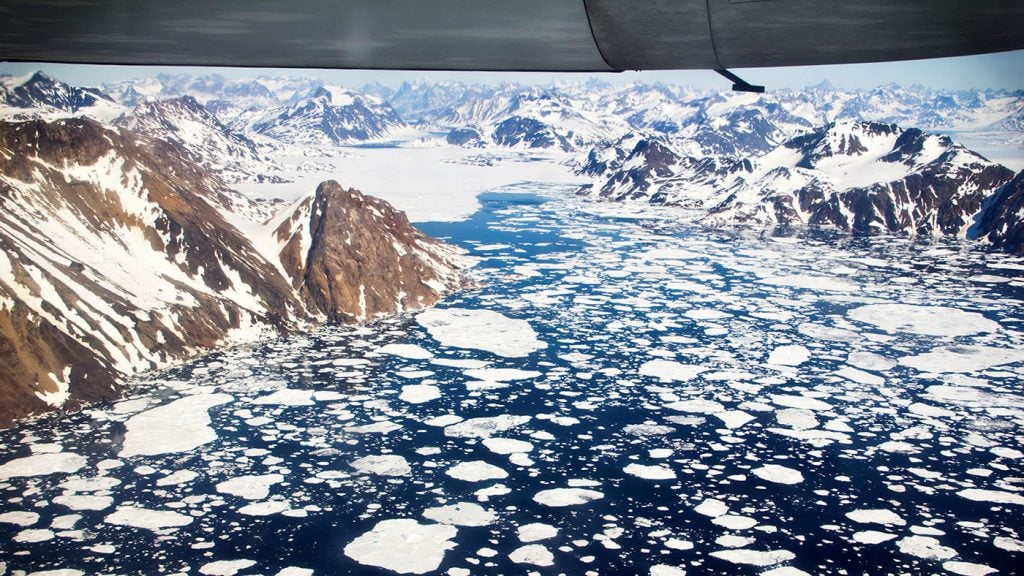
pixel 624 394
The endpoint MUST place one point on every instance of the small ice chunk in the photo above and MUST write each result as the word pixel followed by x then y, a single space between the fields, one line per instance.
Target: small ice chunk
pixel 754 557
pixel 419 393
pixel 410 351
pixel 286 397
pixel 251 487
pixel 561 497
pixel 461 514
pixel 225 567
pixel 476 471
pixel 536 554
pixel 656 472
pixel 793 355
pixel 778 474
pixel 383 465
pixel 671 371
pixel 925 320
pixel 403 545
pixel 536 531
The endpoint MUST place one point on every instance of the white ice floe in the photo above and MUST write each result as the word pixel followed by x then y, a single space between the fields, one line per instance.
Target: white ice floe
pixel 177 478
pixel 670 370
pixel 34 535
pixel 42 465
pixel 84 501
pixel 476 471
pixel 806 282
pixel 791 355
pixel 536 532
pixel 561 497
pixel 696 406
pixel 225 567
pixel 147 519
pixel 968 568
pixel 267 508
pixel 872 537
pixel 502 374
pixel 536 554
pixel 286 397
pixel 507 446
pixel 993 496
pixel 870 361
pixel 795 401
pixel 926 320
pixel 876 516
pixel 410 351
pixel 963 359
pixel 250 487
pixel 1008 544
pixel 778 474
pixel 666 570
pixel 461 514
pixel 735 522
pixel 754 557
pixel 19 518
pixel 656 472
pixel 481 330
pixel 383 465
pixel 180 426
pixel 925 547
pixel 419 393
pixel 484 427
pixel 733 419
pixel 404 546
pixel 712 507
pixel 380 427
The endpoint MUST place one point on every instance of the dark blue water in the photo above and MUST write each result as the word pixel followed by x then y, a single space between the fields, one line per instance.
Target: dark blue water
pixel 609 293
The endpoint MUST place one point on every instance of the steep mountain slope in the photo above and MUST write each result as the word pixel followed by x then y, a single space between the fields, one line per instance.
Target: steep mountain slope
pixel 37 95
pixel 353 257
pixel 117 257
pixel 1001 220
pixel 331 116
pixel 183 121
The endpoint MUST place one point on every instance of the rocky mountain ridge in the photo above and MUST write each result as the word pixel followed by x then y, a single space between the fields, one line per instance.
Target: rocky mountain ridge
pixel 119 255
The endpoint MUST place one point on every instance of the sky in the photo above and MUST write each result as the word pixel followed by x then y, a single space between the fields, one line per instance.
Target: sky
pixel 1000 71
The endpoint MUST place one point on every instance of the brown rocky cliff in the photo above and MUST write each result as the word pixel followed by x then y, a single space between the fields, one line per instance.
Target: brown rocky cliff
pixel 362 257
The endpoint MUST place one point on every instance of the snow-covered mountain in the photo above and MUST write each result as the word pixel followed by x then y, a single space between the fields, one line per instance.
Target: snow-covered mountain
pixel 37 95
pixel 119 254
pixel 851 175
pixel 183 121
pixel 330 116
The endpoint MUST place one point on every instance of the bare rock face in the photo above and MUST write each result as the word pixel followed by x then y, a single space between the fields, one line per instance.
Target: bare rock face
pixel 117 255
pixel 1000 220
pixel 353 257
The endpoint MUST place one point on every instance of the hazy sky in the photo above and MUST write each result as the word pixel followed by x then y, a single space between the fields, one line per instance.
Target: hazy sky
pixel 1002 70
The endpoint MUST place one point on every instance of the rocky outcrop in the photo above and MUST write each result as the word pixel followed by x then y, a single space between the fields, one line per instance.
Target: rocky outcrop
pixel 353 257
pixel 464 137
pixel 117 254
pixel 1001 220
pixel 331 116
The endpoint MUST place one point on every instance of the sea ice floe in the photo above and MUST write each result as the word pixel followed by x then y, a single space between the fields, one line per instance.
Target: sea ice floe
pixel 794 401
pixel 925 320
pixel 19 518
pixel 476 471
pixel 870 361
pixel 968 568
pixel 250 487
pixel 461 514
pixel 735 522
pixel 380 427
pixel 84 501
pixel 507 445
pixel 778 474
pixel 876 516
pixel 286 397
pixel 806 282
pixel 179 426
pixel 536 554
pixel 484 427
pixel 267 508
pixel 147 519
pixel 561 497
pixel 666 570
pixel 536 532
pixel 925 547
pixel 671 371
pixel 42 465
pixel 791 355
pixel 383 465
pixel 993 496
pixel 419 393
pixel 177 478
pixel 410 351
pixel 225 567
pixel 404 546
pixel 872 537
pixel 754 557
pixel 481 330
pixel 962 359
pixel 733 419
pixel 656 472
pixel 696 405
pixel 34 535
pixel 712 507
